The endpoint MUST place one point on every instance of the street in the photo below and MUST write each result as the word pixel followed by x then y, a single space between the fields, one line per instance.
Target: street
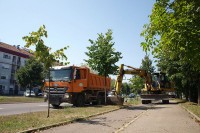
pixel 18 108
pixel 159 118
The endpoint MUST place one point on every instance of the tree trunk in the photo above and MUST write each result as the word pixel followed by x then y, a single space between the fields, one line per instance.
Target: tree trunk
pixel 105 87
pixel 199 96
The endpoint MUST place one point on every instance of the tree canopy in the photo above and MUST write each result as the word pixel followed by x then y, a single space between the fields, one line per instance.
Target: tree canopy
pixel 42 52
pixel 174 30
pixel 137 81
pixel 30 74
pixel 102 55
pixel 173 36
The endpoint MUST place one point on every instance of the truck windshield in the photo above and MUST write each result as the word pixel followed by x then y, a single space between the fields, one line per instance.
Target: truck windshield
pixel 60 75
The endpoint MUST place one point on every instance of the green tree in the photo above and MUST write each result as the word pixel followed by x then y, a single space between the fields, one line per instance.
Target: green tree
pixel 30 74
pixel 147 64
pixel 137 81
pixel 173 31
pixel 42 52
pixel 102 55
pixel 113 83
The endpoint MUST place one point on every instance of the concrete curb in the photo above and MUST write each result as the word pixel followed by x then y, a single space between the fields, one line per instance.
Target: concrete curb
pixel 67 122
pixel 192 114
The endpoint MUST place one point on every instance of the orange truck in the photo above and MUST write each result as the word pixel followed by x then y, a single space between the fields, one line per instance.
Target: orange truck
pixel 75 85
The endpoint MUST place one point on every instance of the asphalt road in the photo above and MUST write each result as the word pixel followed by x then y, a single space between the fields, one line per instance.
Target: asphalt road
pixel 153 118
pixel 19 108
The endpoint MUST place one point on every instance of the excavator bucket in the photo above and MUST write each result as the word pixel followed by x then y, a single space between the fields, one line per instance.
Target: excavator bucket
pixel 115 99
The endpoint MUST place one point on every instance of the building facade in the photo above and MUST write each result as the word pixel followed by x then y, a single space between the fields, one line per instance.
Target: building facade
pixel 11 59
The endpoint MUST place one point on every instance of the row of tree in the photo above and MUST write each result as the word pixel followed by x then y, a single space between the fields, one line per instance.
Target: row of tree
pixel 172 35
pixel 101 57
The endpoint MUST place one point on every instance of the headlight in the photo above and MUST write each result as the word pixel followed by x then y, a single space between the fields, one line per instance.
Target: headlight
pixel 66 95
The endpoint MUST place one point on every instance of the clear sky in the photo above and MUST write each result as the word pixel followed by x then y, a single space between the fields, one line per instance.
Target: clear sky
pixel 74 22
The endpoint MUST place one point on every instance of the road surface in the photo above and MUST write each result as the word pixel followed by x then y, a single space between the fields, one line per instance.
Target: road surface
pixel 19 108
pixel 153 118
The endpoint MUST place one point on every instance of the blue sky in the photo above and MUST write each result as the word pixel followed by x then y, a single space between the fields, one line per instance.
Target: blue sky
pixel 74 22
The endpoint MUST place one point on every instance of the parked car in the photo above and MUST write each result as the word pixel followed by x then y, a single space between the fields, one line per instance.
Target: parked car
pixel 131 95
pixel 27 93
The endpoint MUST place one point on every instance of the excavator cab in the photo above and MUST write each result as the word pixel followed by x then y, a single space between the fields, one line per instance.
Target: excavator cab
pixel 160 81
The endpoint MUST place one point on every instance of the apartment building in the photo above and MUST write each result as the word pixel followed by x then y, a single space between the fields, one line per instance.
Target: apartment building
pixel 11 59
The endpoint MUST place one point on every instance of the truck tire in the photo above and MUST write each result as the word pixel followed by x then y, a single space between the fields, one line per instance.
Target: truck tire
pixel 146 101
pixel 165 101
pixel 100 100
pixel 80 101
pixel 55 106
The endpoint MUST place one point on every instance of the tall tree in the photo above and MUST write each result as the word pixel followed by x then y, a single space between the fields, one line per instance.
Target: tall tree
pixel 30 74
pixel 173 31
pixel 102 55
pixel 138 82
pixel 147 64
pixel 43 53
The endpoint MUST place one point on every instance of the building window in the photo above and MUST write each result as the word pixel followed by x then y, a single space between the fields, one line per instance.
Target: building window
pixel 14 59
pixel 6 56
pixel 5 66
pixel 3 77
pixel 2 88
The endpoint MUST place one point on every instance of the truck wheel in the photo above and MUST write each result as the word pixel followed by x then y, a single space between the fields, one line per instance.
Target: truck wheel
pixel 149 101
pixel 55 106
pixel 146 101
pixel 80 101
pixel 100 100
pixel 165 101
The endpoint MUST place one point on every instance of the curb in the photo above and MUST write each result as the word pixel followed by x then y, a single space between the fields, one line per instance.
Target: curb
pixel 193 115
pixel 67 122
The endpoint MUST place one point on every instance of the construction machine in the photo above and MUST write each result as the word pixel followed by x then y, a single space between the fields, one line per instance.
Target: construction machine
pixel 156 86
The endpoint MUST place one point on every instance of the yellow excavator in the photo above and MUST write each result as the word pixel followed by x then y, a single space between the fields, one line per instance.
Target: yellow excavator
pixel 156 86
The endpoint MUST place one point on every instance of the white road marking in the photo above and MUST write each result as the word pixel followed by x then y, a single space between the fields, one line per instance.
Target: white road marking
pixel 126 125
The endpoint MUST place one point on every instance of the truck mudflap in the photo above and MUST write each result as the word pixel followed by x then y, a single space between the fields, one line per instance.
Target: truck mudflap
pixel 156 96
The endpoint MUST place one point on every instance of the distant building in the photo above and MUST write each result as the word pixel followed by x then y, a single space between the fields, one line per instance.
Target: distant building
pixel 11 59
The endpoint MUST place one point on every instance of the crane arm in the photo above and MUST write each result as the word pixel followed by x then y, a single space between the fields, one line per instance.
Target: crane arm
pixel 133 71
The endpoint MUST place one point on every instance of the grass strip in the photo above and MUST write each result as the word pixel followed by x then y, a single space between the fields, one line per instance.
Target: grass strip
pixel 193 107
pixel 19 99
pixel 28 121
pixel 33 121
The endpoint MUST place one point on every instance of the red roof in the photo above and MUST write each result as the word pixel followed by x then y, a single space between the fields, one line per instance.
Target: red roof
pixel 14 50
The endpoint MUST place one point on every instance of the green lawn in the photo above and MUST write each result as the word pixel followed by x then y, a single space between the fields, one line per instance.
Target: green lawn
pixel 193 107
pixel 17 123
pixel 20 99
pixel 21 122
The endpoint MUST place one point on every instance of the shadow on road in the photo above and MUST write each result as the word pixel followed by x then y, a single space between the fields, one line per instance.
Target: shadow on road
pixel 96 121
pixel 145 107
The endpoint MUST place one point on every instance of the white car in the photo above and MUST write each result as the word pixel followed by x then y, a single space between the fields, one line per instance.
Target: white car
pixel 27 93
